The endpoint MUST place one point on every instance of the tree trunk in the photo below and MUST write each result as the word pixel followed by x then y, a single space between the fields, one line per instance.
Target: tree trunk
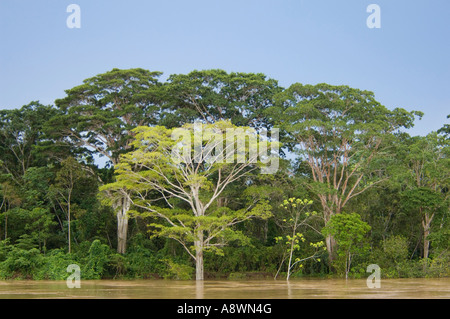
pixel 330 242
pixel 122 225
pixel 426 244
pixel 290 261
pixel 6 226
pixel 348 261
pixel 292 248
pixel 331 248
pixel 68 223
pixel 199 256
pixel 426 223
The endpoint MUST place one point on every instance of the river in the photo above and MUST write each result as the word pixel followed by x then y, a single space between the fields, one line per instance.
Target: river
pixel 226 289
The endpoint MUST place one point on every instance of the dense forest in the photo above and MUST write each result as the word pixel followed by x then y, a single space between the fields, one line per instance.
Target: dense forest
pixel 90 181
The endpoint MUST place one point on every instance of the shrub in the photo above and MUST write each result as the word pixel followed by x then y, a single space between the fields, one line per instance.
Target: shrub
pixel 21 263
pixel 54 266
pixel 177 271
pixel 439 265
pixel 395 249
pixel 141 262
pixel 237 276
pixel 99 256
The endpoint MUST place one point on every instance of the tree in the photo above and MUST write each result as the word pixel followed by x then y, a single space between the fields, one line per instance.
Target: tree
pixel 40 226
pixel 66 179
pixel 21 130
pixel 349 231
pixel 445 129
pixel 298 215
pixel 427 180
pixel 100 115
pixel 189 172
pixel 215 95
pixel 339 132
pixel 10 198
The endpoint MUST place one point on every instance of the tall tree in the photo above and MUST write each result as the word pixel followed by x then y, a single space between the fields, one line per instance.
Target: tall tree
pixel 100 115
pixel 10 197
pixel 190 172
pixel 21 130
pixel 338 131
pixel 214 95
pixel 427 180
pixel 66 179
pixel 445 129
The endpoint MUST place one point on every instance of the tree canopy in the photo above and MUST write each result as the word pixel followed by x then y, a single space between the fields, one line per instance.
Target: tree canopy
pixel 215 174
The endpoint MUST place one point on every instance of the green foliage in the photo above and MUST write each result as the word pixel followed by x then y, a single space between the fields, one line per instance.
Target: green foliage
pixel 440 239
pixel 391 256
pixel 395 249
pixel 141 262
pixel 21 263
pixel 295 214
pixel 351 155
pixel 99 255
pixel 55 265
pixel 214 95
pixel 177 271
pixel 349 232
pixel 189 185
pixel 238 259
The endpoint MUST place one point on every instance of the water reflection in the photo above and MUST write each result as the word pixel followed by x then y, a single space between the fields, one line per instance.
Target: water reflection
pixel 224 289
pixel 289 289
pixel 199 289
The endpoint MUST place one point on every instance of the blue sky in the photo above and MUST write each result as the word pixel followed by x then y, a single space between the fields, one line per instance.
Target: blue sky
pixel 405 62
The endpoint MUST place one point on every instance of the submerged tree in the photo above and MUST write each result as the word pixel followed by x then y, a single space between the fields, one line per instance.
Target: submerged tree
pixel 189 168
pixel 297 215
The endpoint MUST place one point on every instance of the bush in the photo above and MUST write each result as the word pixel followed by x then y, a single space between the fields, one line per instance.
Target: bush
pixel 411 269
pixel 177 271
pixel 237 276
pixel 21 263
pixel 55 266
pixel 439 265
pixel 141 262
pixel 243 259
pixel 395 249
pixel 99 257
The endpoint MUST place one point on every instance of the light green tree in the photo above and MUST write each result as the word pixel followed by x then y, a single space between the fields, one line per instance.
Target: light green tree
pixel 188 169
pixel 297 215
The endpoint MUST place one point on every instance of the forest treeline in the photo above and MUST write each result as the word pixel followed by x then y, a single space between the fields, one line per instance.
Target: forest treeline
pixel 90 181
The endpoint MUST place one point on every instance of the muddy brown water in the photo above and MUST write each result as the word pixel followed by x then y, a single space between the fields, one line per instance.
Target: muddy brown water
pixel 227 289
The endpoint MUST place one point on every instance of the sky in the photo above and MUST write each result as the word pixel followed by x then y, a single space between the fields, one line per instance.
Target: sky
pixel 405 62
